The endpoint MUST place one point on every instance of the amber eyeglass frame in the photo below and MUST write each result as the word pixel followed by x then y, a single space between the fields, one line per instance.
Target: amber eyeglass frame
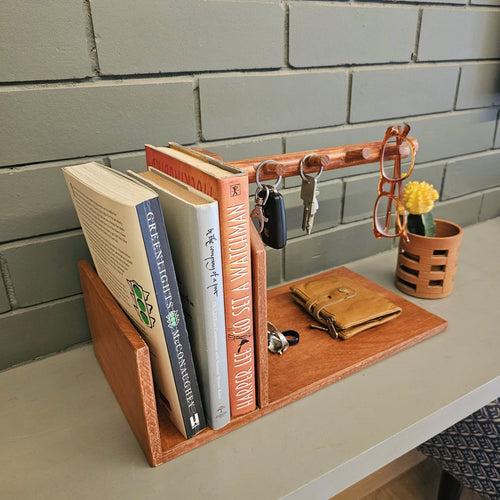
pixel 400 134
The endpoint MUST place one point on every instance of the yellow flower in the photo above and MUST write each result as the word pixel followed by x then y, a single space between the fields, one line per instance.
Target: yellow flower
pixel 419 197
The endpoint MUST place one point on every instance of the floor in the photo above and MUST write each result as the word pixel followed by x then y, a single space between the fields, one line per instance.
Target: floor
pixel 419 483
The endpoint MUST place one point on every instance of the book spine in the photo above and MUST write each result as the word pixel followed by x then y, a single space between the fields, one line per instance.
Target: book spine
pixel 234 219
pixel 235 239
pixel 170 309
pixel 212 326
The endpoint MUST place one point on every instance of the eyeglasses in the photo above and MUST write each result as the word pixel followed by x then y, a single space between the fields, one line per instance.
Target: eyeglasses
pixel 389 214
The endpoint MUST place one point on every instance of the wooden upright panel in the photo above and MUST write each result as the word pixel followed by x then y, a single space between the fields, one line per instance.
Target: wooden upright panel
pixel 124 359
pixel 259 285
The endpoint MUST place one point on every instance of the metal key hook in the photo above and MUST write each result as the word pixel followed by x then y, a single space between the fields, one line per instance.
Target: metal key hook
pixel 304 163
pixel 260 166
pixel 257 198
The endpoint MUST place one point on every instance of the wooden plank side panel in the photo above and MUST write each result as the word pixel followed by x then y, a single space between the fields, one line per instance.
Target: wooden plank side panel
pixel 259 284
pixel 124 359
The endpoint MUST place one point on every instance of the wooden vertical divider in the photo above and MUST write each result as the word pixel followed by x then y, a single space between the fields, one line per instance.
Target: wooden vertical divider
pixel 124 359
pixel 259 290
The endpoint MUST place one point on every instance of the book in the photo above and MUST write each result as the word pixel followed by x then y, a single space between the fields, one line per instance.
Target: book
pixel 192 221
pixel 229 186
pixel 123 224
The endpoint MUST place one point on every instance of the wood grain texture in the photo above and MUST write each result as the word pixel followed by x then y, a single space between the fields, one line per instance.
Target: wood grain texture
pixel 259 284
pixel 318 360
pixel 124 359
pixel 382 476
pixel 335 158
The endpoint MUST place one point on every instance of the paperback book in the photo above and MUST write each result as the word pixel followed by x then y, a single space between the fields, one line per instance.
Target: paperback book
pixel 123 224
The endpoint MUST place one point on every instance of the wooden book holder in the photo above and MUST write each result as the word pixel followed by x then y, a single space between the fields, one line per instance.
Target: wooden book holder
pixel 124 356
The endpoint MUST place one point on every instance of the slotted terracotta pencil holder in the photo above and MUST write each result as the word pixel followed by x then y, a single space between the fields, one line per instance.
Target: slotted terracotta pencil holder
pixel 427 265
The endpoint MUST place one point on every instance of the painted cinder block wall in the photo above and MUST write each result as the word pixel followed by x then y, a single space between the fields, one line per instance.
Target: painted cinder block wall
pixel 96 80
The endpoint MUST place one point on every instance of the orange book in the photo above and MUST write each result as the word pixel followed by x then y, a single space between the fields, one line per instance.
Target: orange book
pixel 229 186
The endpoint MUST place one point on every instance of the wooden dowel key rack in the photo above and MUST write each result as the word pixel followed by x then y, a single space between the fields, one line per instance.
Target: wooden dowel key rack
pixel 334 158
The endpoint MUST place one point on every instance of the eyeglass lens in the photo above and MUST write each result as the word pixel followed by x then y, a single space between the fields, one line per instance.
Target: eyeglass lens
pixel 388 216
pixel 400 168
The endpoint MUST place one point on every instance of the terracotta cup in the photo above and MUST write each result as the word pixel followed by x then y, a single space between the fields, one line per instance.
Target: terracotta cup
pixel 426 265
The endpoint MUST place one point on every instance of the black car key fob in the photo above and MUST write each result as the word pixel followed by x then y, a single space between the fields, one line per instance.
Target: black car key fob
pixel 274 230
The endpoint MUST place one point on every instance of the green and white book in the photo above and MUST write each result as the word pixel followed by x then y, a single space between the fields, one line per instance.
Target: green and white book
pixel 192 221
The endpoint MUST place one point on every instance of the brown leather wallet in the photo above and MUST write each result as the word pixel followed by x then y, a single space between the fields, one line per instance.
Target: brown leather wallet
pixel 343 306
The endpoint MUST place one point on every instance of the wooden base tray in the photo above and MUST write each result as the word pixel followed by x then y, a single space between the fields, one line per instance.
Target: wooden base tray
pixel 314 363
pixel 318 360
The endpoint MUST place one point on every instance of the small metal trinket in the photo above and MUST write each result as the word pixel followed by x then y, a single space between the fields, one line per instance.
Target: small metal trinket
pixel 279 342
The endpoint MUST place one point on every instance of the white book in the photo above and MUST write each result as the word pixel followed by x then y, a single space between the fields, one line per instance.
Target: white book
pixel 192 222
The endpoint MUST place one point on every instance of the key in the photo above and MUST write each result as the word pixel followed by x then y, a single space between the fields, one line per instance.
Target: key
pixel 274 231
pixel 257 214
pixel 309 195
pixel 312 213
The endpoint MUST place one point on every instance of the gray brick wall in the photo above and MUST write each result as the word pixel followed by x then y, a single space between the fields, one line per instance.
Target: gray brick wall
pixel 96 79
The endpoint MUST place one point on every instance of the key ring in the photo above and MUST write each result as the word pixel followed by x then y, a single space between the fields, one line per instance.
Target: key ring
pixel 303 163
pixel 257 174
pixel 262 187
pixel 291 336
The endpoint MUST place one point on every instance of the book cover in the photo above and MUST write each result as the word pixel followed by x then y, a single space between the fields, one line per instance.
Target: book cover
pixel 192 221
pixel 123 224
pixel 229 186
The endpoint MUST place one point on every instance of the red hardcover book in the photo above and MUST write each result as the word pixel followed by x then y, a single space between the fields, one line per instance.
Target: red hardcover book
pixel 229 186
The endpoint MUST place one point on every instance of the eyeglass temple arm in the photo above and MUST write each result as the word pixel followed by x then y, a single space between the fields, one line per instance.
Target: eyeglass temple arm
pixel 331 158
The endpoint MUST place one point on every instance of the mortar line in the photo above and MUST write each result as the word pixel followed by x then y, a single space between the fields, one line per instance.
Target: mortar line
pixel 349 96
pixel 420 15
pixel 457 88
pixel 9 285
pixel 495 131
pixel 443 177
pixel 91 41
pixel 266 135
pixel 37 237
pixel 456 4
pixel 342 205
pixel 197 109
pixel 144 78
pixel 49 355
pixel 286 37
pixel 269 135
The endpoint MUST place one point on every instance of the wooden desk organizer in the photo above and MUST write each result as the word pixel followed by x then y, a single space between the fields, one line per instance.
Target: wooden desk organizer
pixel 314 363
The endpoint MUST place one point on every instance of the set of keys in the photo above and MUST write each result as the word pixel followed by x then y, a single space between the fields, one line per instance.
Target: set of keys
pixel 269 213
pixel 309 191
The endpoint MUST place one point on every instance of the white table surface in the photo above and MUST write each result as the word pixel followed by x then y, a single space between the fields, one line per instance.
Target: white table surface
pixel 63 435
